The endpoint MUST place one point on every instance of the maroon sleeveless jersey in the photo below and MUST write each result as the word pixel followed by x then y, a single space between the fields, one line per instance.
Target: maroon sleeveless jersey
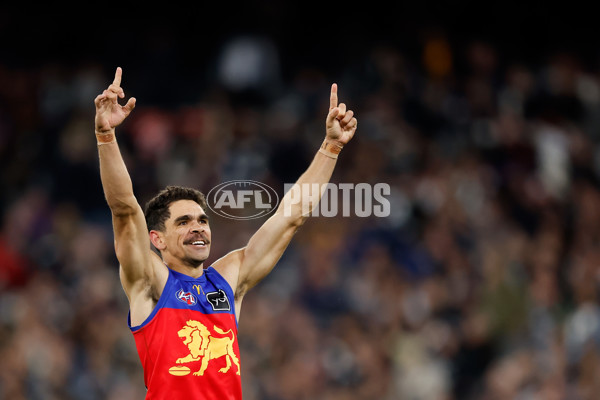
pixel 188 345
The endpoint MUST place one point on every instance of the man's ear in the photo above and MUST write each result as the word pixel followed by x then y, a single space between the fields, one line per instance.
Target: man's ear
pixel 158 240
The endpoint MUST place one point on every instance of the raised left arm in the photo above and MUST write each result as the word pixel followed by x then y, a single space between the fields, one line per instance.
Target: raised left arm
pixel 247 266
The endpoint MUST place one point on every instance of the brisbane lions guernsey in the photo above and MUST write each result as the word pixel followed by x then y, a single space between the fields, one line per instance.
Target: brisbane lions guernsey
pixel 188 344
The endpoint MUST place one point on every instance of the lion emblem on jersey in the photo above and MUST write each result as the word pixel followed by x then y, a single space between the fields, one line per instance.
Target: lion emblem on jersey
pixel 205 346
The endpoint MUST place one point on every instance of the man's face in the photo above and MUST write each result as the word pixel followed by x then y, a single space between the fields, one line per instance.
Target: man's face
pixel 187 233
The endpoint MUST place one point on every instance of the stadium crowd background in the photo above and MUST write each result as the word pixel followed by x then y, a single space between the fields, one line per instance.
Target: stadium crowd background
pixel 482 283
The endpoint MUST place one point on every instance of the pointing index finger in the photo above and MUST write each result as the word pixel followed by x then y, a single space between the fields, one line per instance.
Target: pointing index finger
pixel 118 73
pixel 333 98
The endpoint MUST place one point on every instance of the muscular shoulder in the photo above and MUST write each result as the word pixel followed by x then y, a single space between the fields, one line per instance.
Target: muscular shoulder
pixel 229 268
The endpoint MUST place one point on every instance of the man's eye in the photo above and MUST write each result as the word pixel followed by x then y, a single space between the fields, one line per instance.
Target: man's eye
pixel 183 223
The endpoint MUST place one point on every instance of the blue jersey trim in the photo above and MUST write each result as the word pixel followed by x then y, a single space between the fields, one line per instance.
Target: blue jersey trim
pixel 210 274
pixel 214 275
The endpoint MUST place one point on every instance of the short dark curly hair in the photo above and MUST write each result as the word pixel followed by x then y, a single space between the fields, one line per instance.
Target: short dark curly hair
pixel 157 209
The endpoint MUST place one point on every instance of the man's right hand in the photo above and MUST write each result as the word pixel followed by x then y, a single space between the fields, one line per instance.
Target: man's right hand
pixel 109 113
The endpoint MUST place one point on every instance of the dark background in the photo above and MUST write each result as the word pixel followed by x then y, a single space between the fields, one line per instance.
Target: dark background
pixel 324 34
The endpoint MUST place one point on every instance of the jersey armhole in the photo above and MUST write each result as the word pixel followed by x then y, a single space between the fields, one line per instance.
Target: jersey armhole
pixel 161 301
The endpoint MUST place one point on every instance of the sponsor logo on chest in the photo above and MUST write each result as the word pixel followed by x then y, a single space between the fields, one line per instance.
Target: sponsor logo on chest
pixel 218 300
pixel 186 297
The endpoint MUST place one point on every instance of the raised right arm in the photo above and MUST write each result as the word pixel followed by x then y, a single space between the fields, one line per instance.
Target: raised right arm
pixel 132 245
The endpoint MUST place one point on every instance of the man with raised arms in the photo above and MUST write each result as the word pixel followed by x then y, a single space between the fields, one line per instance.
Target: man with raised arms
pixel 184 315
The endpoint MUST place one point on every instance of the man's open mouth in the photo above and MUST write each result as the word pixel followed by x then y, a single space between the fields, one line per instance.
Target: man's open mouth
pixel 197 243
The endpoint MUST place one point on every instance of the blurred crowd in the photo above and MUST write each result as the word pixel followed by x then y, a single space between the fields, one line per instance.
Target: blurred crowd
pixel 482 284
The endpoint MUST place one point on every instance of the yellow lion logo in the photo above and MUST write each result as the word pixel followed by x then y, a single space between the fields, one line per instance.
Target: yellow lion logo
pixel 202 344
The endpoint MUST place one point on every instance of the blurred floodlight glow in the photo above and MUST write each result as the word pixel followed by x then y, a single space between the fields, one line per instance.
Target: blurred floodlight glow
pixel 248 62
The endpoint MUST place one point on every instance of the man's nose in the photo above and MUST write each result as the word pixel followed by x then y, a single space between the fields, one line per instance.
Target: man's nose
pixel 196 227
